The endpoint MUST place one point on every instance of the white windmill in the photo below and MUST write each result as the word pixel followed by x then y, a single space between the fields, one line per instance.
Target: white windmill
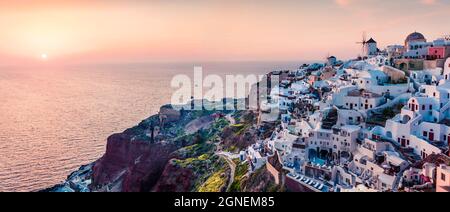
pixel 363 43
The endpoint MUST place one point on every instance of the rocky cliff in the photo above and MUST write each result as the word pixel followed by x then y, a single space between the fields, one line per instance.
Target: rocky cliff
pixel 130 165
pixel 172 151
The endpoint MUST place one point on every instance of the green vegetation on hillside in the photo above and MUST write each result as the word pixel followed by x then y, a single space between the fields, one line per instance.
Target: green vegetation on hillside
pixel 239 176
pixel 239 129
pixel 215 183
pixel 192 162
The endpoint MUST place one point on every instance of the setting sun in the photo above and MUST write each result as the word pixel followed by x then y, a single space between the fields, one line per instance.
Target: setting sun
pixel 44 56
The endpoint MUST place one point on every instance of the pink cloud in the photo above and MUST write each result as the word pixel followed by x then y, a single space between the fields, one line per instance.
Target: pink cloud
pixel 343 2
pixel 428 2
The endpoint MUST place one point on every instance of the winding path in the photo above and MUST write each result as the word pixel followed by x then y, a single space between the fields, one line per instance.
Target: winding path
pixel 232 168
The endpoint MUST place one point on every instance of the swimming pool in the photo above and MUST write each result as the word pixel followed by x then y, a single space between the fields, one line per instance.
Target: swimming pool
pixel 316 160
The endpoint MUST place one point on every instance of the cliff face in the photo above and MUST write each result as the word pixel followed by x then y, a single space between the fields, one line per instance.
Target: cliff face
pixel 261 181
pixel 174 151
pixel 136 165
pixel 135 159
pixel 175 179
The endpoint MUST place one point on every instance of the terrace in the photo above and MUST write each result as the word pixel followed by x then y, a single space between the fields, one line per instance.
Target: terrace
pixel 299 144
pixel 363 93
pixel 312 184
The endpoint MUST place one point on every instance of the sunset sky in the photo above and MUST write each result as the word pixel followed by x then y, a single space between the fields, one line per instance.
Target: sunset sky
pixel 202 30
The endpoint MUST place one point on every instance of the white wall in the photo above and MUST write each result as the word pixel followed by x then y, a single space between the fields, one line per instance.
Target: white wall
pixel 447 68
pixel 422 147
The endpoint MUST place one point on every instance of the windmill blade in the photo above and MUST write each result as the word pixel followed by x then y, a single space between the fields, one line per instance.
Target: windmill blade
pixel 364 37
pixel 363 43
